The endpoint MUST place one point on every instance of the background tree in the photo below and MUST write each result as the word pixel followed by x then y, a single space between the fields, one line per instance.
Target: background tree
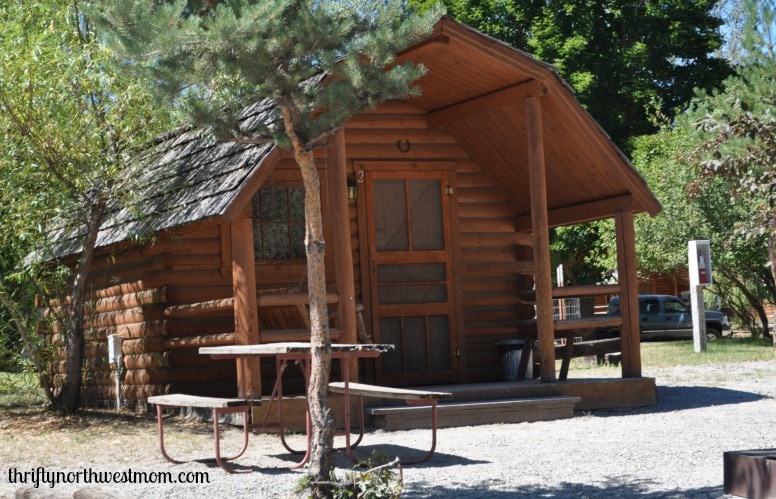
pixel 585 252
pixel 712 167
pixel 738 130
pixel 307 66
pixel 625 59
pixel 507 20
pixel 741 280
pixel 67 121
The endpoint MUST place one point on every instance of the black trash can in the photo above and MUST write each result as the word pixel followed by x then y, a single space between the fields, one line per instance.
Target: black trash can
pixel 510 352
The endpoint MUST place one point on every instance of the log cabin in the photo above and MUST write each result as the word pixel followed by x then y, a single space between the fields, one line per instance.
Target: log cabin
pixel 437 211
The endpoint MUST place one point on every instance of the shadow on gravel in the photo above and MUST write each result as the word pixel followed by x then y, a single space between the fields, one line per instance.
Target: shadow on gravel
pixel 439 460
pixel 680 398
pixel 634 489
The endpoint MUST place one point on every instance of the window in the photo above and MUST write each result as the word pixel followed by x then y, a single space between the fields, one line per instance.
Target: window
pixel 649 306
pixel 278 223
pixel 675 307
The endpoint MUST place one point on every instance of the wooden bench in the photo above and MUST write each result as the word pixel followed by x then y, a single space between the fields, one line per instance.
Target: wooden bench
pixel 567 351
pixel 218 405
pixel 411 397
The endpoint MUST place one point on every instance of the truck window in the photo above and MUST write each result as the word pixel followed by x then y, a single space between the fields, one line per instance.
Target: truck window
pixel 675 307
pixel 649 306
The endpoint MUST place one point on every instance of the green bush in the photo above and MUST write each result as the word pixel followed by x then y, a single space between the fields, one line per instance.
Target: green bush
pixel 379 481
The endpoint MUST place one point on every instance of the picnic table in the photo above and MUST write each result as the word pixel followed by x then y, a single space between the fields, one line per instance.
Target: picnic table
pixel 299 352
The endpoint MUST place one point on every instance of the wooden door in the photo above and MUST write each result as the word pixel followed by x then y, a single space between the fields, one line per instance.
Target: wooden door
pixel 410 274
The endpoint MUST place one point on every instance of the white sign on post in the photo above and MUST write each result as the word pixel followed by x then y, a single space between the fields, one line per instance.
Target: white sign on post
pixel 699 267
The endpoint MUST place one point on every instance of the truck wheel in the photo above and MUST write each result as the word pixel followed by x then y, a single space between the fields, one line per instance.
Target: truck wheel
pixel 712 334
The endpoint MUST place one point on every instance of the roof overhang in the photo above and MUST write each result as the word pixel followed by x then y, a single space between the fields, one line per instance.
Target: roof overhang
pixel 476 87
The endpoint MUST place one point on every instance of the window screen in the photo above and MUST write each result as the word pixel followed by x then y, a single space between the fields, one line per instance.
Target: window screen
pixel 278 223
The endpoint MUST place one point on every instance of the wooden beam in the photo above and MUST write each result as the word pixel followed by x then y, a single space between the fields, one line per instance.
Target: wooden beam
pixel 541 239
pixel 246 318
pixel 278 300
pixel 496 50
pixel 337 185
pixel 226 248
pixel 430 44
pixel 586 290
pixel 580 213
pixel 592 133
pixel 508 96
pixel 629 295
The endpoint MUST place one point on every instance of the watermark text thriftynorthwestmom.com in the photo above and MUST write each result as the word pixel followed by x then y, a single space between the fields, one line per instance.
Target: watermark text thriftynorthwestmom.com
pixel 40 476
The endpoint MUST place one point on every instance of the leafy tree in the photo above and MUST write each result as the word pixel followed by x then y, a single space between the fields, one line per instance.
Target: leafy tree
pixel 305 67
pixel 584 250
pixel 627 58
pixel 712 169
pixel 68 120
pixel 507 20
pixel 712 213
pixel 738 131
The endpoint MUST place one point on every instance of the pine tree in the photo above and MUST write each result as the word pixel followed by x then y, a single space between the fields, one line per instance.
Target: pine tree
pixel 303 68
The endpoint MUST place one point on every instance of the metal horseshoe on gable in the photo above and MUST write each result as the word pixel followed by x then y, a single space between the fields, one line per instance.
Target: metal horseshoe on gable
pixel 403 146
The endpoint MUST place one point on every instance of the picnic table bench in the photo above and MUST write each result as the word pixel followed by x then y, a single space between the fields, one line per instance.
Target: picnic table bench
pixel 218 405
pixel 410 396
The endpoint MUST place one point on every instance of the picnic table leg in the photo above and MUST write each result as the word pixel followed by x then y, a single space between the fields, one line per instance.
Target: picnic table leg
pixel 345 366
pixel 430 453
pixel 278 394
pixel 305 365
pixel 348 445
pixel 217 437
pixel 160 425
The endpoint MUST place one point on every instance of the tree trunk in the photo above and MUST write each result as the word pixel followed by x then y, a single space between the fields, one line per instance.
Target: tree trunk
pixel 321 460
pixel 772 258
pixel 68 399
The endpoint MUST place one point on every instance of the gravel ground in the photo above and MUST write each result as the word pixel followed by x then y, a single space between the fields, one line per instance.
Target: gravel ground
pixel 670 450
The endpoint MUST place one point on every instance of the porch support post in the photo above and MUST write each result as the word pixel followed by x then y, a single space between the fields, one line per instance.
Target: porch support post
pixel 629 295
pixel 246 317
pixel 541 237
pixel 340 230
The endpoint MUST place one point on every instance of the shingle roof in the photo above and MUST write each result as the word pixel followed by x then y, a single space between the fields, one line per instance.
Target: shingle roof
pixel 185 177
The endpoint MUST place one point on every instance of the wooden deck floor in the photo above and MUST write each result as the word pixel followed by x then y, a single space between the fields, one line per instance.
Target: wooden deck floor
pixel 476 401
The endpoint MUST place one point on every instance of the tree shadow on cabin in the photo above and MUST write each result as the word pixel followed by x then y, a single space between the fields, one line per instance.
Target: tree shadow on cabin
pixel 618 487
pixel 681 398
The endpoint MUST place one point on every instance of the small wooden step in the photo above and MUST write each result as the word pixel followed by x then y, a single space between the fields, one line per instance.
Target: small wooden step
pixel 454 414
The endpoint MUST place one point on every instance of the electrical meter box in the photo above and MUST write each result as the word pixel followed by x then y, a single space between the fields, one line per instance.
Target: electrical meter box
pixel 114 347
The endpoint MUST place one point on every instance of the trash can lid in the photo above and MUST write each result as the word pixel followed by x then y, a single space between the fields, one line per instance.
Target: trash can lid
pixel 511 342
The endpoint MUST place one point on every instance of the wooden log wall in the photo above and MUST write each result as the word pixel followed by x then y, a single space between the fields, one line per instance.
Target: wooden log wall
pixel 498 271
pixel 133 289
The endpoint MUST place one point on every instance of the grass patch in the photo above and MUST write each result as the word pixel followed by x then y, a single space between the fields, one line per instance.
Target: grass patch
pixel 682 353
pixel 732 350
pixel 19 389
